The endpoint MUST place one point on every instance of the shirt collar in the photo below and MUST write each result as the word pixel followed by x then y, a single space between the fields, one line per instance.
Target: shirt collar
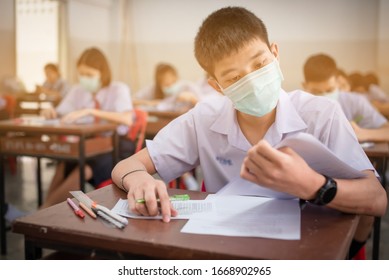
pixel 287 121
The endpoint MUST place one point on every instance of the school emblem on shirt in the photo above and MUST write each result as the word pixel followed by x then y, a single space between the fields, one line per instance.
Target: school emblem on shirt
pixel 224 161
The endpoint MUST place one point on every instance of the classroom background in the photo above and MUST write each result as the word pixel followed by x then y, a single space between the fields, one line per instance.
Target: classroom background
pixel 136 35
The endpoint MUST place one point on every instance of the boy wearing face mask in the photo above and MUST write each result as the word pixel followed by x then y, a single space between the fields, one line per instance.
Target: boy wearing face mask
pixel 320 73
pixel 234 135
pixel 95 99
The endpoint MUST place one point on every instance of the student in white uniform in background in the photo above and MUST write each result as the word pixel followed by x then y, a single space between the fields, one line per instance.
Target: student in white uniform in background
pixel 320 73
pixel 235 136
pixel 54 87
pixel 320 79
pixel 95 99
pixel 168 92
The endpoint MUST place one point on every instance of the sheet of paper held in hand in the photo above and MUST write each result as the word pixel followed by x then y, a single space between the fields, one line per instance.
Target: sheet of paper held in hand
pixel 248 216
pixel 186 209
pixel 317 156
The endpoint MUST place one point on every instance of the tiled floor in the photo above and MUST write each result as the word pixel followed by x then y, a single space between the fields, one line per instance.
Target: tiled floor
pixel 21 191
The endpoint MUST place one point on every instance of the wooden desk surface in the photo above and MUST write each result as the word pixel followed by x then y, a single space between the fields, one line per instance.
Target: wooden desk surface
pixel 18 125
pixel 380 149
pixel 159 119
pixel 326 234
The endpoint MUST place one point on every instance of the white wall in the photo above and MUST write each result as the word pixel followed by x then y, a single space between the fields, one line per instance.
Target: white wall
pixel 354 32
pixel 90 25
pixel 383 45
pixel 7 39
pixel 345 29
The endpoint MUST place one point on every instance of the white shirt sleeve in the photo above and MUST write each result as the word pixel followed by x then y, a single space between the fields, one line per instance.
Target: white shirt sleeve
pixel 174 149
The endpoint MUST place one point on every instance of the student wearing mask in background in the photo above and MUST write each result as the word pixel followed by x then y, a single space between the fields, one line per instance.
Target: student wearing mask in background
pixel 343 81
pixel 54 87
pixel 168 91
pixel 235 137
pixel 377 96
pixel 320 79
pixel 320 73
pixel 95 99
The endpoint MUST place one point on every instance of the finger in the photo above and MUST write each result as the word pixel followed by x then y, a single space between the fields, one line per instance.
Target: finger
pixel 151 202
pixel 247 175
pixel 264 149
pixel 132 204
pixel 164 202
pixel 140 207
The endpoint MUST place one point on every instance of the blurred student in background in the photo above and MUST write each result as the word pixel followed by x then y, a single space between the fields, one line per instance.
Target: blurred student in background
pixel 54 87
pixel 320 73
pixel 343 81
pixel 168 92
pixel 368 85
pixel 320 79
pixel 96 98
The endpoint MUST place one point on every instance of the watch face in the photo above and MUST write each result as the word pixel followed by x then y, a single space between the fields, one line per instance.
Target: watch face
pixel 328 192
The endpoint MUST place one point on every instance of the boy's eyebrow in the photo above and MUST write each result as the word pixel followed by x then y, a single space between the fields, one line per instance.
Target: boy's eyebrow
pixel 258 54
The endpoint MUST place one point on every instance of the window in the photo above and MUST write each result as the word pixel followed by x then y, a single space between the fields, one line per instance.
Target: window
pixel 37 39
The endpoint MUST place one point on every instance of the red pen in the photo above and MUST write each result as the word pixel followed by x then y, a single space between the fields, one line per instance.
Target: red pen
pixel 77 210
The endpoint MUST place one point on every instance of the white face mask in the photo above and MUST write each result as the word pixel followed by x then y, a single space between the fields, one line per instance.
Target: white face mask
pixel 172 90
pixel 257 93
pixel 91 84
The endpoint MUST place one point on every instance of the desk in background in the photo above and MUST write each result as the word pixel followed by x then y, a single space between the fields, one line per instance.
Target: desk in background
pixel 24 138
pixel 325 234
pixel 32 104
pixel 378 155
pixel 158 119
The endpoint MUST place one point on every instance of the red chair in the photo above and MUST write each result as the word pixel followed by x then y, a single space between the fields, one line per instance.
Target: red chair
pixel 11 105
pixel 136 133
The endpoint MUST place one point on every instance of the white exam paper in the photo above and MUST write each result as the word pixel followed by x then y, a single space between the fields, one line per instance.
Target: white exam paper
pixel 319 157
pixel 249 216
pixel 185 208
pixel 316 155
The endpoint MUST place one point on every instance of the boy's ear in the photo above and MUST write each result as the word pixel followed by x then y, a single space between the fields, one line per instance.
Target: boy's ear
pixel 213 83
pixel 274 50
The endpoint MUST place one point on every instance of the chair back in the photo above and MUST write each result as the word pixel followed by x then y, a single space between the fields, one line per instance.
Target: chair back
pixel 11 105
pixel 137 131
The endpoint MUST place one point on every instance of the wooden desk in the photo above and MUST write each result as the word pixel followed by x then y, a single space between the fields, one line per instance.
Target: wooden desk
pixel 32 104
pixel 378 155
pixel 325 234
pixel 26 140
pixel 158 119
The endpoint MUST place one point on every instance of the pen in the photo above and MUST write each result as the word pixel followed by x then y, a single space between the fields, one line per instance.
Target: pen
pixel 176 197
pixel 87 210
pixel 77 210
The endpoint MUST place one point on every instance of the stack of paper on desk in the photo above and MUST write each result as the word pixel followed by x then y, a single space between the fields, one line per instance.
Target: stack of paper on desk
pixel 250 217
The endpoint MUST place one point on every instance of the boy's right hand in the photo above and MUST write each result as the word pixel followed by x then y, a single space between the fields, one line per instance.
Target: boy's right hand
pixel 49 113
pixel 146 187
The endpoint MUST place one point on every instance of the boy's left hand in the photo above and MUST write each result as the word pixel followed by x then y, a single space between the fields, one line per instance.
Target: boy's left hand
pixel 281 170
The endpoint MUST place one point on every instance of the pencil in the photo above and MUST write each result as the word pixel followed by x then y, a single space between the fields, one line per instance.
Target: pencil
pixel 177 197
pixel 88 210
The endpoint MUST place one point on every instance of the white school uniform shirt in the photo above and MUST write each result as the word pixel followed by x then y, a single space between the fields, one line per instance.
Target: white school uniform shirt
pixel 209 135
pixel 59 85
pixel 114 98
pixel 358 108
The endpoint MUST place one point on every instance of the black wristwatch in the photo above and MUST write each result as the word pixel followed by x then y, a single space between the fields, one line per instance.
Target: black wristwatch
pixel 326 193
